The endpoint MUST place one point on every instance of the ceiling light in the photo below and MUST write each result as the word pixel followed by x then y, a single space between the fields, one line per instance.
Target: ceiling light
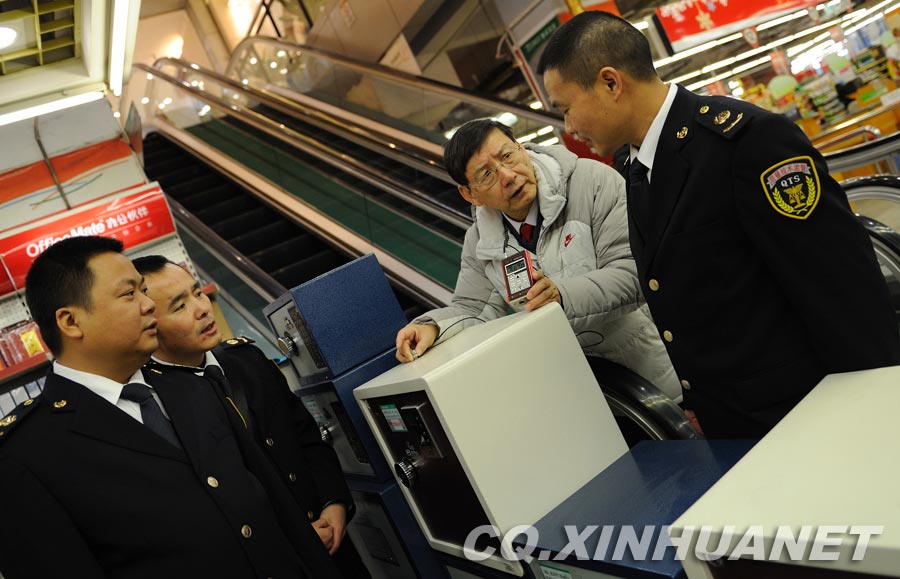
pixel 8 36
pixel 50 107
pixel 507 118
pixel 117 45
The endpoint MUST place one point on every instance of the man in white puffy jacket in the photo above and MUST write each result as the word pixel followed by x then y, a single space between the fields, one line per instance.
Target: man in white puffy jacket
pixel 575 228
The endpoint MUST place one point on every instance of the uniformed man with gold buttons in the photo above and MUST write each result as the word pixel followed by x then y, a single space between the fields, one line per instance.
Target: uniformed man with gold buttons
pixel 104 477
pixel 759 277
pixel 259 396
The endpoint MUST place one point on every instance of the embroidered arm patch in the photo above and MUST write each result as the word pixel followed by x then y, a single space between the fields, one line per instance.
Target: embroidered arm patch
pixel 792 187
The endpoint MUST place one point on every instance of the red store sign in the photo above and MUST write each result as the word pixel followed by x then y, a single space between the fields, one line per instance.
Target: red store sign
pixel 689 17
pixel 134 219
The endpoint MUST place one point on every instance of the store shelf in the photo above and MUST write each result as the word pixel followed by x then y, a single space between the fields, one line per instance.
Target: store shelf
pixel 871 64
pixel 28 365
pixel 54 25
pixel 57 43
pixel 15 14
pixel 48 7
pixel 18 54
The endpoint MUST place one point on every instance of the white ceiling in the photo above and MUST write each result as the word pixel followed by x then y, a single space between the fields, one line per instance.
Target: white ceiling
pixel 91 71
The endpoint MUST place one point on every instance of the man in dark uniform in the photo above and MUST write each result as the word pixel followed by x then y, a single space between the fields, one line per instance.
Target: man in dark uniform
pixel 758 275
pixel 277 420
pixel 104 477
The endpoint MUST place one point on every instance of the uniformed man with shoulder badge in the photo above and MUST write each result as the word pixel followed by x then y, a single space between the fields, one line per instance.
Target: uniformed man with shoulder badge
pixel 260 400
pixel 759 277
pixel 110 476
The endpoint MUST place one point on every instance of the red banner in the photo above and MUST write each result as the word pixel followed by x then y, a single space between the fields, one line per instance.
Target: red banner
pixel 780 62
pixel 717 88
pixel 134 219
pixel 689 17
pixel 36 176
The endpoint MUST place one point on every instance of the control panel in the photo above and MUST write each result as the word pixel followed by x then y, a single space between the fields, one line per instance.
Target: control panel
pixel 337 430
pixel 424 462
pixel 297 344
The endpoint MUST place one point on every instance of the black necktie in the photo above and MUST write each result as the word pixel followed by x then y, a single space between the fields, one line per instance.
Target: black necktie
pixel 236 396
pixel 151 413
pixel 639 195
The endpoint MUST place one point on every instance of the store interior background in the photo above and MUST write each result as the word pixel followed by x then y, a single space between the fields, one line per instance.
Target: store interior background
pixel 813 62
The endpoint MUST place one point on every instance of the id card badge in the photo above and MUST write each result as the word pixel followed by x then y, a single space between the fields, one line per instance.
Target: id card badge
pixel 519 275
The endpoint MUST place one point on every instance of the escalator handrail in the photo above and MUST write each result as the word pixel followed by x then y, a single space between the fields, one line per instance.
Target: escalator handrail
pixel 887 235
pixel 887 187
pixel 865 131
pixel 402 77
pixel 863 153
pixel 235 261
pixel 363 171
pixel 411 153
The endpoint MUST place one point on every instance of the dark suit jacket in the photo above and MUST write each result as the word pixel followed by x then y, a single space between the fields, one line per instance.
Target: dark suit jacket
pixel 288 434
pixel 284 429
pixel 292 520
pixel 760 300
pixel 93 493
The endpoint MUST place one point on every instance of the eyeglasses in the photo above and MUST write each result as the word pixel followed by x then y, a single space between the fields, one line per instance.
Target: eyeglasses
pixel 488 178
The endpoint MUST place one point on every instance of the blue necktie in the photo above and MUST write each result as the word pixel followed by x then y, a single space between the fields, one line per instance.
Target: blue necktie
pixel 151 413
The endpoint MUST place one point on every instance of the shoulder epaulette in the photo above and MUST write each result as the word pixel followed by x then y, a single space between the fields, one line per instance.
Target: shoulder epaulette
pixel 721 118
pixel 15 417
pixel 237 341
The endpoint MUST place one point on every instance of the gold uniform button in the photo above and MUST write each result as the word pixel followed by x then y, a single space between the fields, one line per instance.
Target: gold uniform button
pixel 246 531
pixel 654 285
pixel 293 477
pixel 667 336
pixel 59 403
pixel 270 442
pixel 685 384
pixel 704 109
pixel 29 402
pixel 8 420
pixel 212 481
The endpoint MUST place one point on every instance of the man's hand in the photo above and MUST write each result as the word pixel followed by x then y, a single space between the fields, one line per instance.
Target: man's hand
pixel 542 292
pixel 414 339
pixel 336 516
pixel 325 532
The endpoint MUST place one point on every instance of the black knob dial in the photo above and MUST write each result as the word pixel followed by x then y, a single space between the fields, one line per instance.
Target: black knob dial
pixel 287 346
pixel 406 472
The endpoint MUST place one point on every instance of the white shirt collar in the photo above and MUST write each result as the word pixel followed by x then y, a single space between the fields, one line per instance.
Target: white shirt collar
pixel 531 218
pixel 647 152
pixel 110 390
pixel 208 360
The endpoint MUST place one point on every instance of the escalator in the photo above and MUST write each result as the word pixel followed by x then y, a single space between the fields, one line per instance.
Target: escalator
pixel 280 247
pixel 249 225
pixel 374 178
pixel 440 190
